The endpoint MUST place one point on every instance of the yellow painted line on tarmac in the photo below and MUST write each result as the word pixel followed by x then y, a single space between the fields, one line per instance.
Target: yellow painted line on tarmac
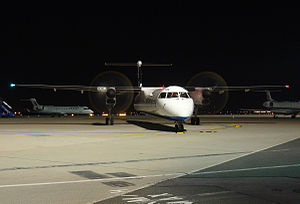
pixel 165 133
pixel 22 135
pixel 218 128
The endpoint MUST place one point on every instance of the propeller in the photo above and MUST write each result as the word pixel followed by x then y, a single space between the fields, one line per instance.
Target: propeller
pixel 213 97
pixel 111 79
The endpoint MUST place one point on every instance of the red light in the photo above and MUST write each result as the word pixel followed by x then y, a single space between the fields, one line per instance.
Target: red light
pixel 287 86
pixel 162 87
pixel 72 115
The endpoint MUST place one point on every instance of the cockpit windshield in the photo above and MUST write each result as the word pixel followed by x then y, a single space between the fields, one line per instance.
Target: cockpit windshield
pixel 162 95
pixel 184 95
pixel 174 95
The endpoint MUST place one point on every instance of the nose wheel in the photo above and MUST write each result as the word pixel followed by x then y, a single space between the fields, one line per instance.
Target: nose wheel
pixel 179 126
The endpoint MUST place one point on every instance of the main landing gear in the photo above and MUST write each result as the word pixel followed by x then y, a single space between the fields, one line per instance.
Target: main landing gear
pixel 179 126
pixel 195 120
pixel 109 120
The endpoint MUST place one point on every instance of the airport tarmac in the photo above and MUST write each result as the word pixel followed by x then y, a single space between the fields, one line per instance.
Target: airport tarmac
pixel 232 159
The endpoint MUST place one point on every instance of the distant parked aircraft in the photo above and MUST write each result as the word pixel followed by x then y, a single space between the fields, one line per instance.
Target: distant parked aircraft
pixel 58 110
pixel 282 107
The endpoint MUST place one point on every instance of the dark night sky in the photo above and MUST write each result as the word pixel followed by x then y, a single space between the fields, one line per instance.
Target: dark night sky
pixel 69 43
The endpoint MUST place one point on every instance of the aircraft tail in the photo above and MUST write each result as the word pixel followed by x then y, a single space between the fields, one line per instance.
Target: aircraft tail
pixel 269 97
pixel 35 104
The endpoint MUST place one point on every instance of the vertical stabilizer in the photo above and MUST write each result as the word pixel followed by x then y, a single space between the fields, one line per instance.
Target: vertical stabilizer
pixel 34 103
pixel 269 97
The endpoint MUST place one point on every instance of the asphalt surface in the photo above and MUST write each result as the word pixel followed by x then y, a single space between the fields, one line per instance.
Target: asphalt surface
pixel 270 175
pixel 143 160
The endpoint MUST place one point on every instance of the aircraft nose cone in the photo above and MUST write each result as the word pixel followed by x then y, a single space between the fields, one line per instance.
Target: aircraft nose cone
pixel 180 108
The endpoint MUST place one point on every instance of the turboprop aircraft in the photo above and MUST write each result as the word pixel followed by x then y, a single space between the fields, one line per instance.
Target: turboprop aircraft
pixel 173 102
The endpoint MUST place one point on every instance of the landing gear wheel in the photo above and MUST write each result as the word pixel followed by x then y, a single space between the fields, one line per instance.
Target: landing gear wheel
pixel 179 126
pixel 112 121
pixel 109 121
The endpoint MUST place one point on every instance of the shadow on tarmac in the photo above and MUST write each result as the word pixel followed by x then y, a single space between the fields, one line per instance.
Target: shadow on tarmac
pixel 152 126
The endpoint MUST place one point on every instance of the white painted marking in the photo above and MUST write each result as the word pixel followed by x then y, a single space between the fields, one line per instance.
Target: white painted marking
pixel 90 180
pixel 136 200
pixel 159 195
pixel 247 169
pixel 215 193
pixel 115 191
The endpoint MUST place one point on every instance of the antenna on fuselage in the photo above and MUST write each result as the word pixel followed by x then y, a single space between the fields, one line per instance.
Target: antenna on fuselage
pixel 139 65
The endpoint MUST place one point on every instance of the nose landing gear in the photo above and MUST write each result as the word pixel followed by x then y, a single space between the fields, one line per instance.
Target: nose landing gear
pixel 179 126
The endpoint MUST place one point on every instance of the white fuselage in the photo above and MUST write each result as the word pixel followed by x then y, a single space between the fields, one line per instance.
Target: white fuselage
pixel 62 109
pixel 172 102
pixel 283 107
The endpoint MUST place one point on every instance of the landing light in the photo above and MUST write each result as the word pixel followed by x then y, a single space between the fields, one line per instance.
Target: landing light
pixel 12 85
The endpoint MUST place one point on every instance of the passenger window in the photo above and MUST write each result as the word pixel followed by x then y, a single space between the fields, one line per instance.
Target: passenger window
pixel 162 95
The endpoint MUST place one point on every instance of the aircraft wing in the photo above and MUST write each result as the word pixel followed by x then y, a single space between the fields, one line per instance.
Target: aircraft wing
pixel 221 89
pixel 81 88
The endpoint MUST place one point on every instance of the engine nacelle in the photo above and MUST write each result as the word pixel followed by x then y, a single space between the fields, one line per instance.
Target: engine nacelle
pixel 111 96
pixel 111 93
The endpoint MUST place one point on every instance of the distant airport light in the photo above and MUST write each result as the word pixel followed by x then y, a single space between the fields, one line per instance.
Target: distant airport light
pixel 72 115
pixel 91 115
pixel 105 114
pixel 122 114
pixel 12 85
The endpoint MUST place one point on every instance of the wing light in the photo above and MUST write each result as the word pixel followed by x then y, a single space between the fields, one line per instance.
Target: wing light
pixel 12 85
pixel 287 86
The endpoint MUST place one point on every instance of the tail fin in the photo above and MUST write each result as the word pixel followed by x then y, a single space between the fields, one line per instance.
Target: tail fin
pixel 34 103
pixel 269 97
pixel 139 65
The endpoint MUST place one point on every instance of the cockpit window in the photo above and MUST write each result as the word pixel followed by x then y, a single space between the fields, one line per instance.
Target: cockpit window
pixel 172 95
pixel 162 95
pixel 184 95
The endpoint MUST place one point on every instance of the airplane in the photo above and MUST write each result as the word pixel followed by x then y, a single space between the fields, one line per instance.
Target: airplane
pixel 173 102
pixel 58 110
pixel 281 107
